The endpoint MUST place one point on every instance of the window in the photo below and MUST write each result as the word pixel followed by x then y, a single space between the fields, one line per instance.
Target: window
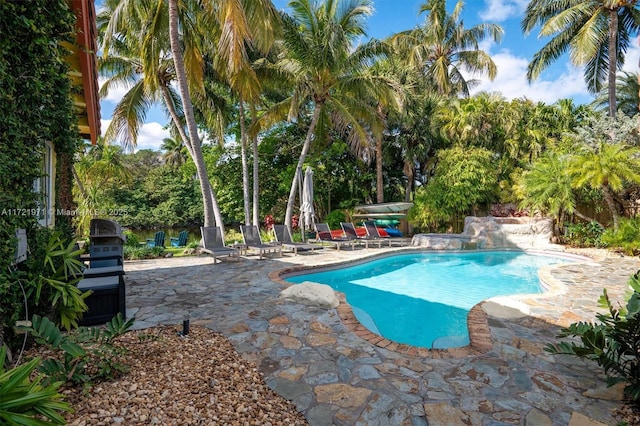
pixel 44 186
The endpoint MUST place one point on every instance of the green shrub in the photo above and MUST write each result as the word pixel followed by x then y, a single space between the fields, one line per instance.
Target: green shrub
pixel 131 239
pixel 584 235
pixel 57 278
pixel 142 251
pixel 266 235
pixel 24 400
pixel 85 355
pixel 231 236
pixel 625 238
pixel 334 218
pixel 613 341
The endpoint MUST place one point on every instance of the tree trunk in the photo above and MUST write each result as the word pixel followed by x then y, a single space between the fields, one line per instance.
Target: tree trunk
pixel 586 218
pixel 613 60
pixel 245 165
pixel 409 171
pixel 194 139
pixel 379 183
pixel 608 198
pixel 256 166
pixel 185 139
pixel 83 192
pixel 303 155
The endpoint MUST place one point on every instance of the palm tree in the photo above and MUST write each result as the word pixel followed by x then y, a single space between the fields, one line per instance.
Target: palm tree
pixel 219 29
pixel 607 166
pixel 329 73
pixel 235 21
pixel 175 153
pixel 192 142
pixel 596 33
pixel 548 187
pixel 628 98
pixel 136 32
pixel 442 48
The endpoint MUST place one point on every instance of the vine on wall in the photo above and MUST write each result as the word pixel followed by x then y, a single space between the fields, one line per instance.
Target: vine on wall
pixel 35 106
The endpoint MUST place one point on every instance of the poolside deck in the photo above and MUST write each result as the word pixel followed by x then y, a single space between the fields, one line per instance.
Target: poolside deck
pixel 335 376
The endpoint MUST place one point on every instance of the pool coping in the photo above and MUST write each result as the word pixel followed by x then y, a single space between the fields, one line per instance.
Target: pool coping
pixel 480 340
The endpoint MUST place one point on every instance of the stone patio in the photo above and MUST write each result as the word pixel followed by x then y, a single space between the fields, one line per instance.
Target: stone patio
pixel 336 377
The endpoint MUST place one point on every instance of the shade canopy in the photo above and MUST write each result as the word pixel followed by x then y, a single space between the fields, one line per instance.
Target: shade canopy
pixel 383 210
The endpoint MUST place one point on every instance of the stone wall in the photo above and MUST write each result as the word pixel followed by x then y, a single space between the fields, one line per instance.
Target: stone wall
pixel 493 232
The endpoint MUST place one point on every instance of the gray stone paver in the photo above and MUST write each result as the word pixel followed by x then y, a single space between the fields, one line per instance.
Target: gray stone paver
pixel 334 377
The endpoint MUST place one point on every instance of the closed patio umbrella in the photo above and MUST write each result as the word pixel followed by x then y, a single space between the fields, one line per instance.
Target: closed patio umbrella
pixel 307 212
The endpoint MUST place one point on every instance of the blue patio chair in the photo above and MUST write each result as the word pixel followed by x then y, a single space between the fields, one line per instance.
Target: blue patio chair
pixel 180 240
pixel 157 240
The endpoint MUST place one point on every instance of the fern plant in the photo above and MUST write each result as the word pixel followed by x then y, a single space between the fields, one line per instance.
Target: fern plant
pixel 613 342
pixel 27 401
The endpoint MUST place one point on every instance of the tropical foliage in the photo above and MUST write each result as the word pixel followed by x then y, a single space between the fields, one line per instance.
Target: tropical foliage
pixel 612 341
pixel 625 238
pixel 36 109
pixel 464 180
pixel 84 356
pixel 25 400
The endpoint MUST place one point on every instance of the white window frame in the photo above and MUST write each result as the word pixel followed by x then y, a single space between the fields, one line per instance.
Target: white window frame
pixel 45 186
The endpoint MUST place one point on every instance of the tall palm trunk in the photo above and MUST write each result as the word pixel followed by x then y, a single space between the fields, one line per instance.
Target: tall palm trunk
pixel 168 100
pixel 379 185
pixel 256 164
pixel 303 155
pixel 194 140
pixel 409 172
pixel 613 60
pixel 245 165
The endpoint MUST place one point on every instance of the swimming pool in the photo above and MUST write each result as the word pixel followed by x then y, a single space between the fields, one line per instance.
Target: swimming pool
pixel 422 299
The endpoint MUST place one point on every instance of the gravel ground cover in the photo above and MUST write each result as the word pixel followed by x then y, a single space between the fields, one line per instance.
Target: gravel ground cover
pixel 174 380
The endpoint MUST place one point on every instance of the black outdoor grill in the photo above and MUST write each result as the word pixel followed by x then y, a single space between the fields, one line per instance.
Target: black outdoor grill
pixel 105 274
pixel 106 247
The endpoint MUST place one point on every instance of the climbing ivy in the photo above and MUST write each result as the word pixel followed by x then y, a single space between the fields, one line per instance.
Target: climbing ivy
pixel 35 106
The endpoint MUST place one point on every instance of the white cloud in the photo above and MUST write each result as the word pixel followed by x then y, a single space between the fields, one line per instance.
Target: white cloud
pixel 632 58
pixel 501 10
pixel 511 81
pixel 149 137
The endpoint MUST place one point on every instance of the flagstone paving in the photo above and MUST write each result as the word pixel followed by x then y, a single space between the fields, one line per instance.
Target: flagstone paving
pixel 335 377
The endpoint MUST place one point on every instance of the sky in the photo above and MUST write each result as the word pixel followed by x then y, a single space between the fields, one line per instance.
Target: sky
pixel 511 55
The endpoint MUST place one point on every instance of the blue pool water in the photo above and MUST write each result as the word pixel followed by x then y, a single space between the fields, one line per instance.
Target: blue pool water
pixel 423 299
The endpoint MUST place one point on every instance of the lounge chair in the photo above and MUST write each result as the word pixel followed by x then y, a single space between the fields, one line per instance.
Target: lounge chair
pixel 283 237
pixel 180 240
pixel 324 235
pixel 213 244
pixel 157 240
pixel 251 238
pixel 350 232
pixel 372 231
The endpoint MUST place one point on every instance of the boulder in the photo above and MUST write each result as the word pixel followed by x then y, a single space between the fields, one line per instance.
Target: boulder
pixel 312 294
